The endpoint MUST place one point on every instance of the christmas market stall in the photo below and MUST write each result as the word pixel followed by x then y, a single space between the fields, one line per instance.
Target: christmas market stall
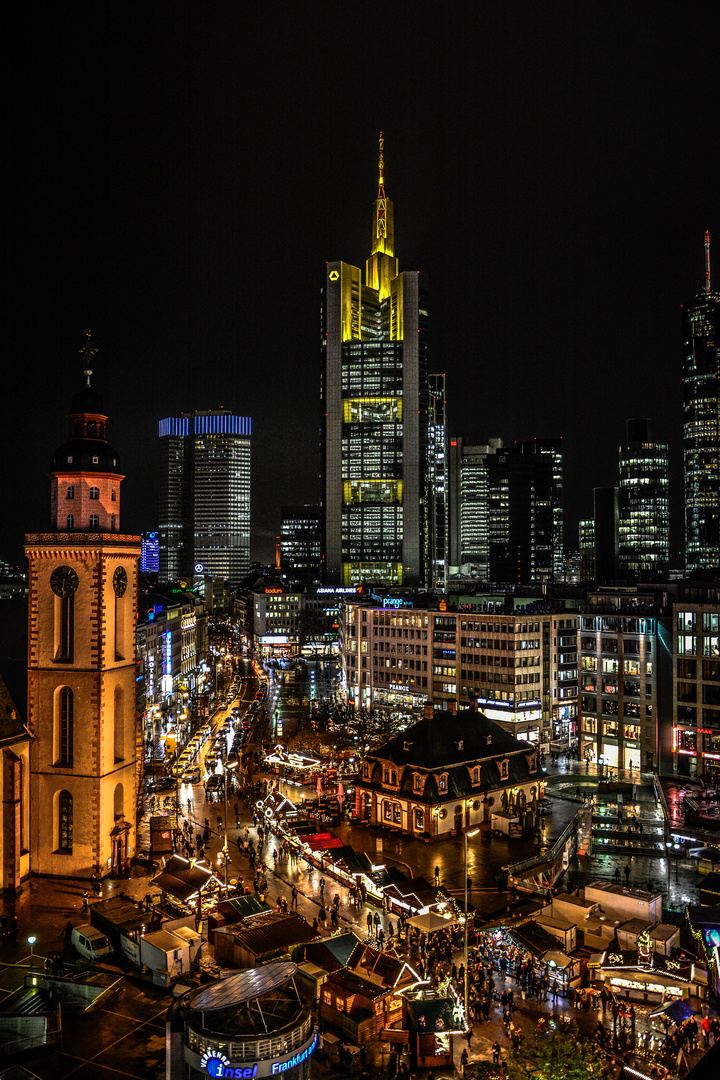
pixel 704 926
pixel 647 976
pixel 432 1017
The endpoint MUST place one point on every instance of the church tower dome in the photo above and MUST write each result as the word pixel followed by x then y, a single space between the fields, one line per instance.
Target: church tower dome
pixel 86 474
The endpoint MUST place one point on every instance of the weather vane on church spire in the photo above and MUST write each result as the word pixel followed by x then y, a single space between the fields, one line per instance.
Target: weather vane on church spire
pixel 88 352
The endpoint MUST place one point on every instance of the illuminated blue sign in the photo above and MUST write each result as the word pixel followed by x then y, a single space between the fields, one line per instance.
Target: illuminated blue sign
pixel 220 1068
pixel 168 653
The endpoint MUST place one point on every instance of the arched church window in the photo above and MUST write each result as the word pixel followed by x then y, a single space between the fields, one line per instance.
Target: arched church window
pixel 65 822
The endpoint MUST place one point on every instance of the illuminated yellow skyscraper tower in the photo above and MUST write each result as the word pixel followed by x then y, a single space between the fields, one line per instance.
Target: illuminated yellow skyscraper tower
pixel 375 416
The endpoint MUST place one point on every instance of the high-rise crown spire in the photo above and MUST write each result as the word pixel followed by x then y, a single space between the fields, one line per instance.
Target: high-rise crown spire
pixel 383 235
pixel 708 287
pixel 381 171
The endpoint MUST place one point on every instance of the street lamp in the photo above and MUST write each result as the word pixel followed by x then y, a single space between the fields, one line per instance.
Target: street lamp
pixel 31 941
pixel 473 832
pixel 231 763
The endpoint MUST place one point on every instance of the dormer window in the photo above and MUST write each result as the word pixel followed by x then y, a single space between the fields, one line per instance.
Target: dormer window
pixel 366 771
pixel 532 763
pixel 504 769
pixel 70 493
pixel 95 460
pixel 442 782
pixel 417 782
pixel 476 776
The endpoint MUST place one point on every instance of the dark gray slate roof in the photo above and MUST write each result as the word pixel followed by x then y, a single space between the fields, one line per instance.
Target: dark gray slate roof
pixel 449 739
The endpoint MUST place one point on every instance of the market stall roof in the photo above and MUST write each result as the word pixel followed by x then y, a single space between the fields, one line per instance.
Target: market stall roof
pixel 389 875
pixel 332 953
pixel 353 983
pixel 416 893
pixel 320 841
pixel 558 958
pixel 356 862
pixel 534 938
pixel 429 923
pixel 676 1010
pixel 242 907
pixel 183 879
pixel 280 756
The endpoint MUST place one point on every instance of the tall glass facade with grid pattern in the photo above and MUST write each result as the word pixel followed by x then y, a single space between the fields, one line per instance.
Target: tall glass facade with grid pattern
pixel 377 515
pixel 205 496
pixel 701 428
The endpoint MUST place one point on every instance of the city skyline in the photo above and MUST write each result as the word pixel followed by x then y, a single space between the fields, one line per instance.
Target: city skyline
pixel 181 199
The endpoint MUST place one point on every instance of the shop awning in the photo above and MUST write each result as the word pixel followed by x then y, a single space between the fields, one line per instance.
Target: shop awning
pixel 558 958
pixel 676 1010
pixel 182 879
pixel 429 923
pixel 318 841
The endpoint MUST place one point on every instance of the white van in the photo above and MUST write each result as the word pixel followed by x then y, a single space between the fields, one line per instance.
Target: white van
pixel 90 942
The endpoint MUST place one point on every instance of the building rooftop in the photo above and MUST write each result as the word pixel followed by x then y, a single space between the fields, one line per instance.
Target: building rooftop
pixel 450 739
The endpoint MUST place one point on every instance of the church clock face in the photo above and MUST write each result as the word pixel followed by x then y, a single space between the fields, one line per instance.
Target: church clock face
pixel 64 581
pixel 120 581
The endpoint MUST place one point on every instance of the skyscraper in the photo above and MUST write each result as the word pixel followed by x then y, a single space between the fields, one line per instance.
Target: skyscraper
pixel 525 512
pixel 701 428
pixel 644 514
pixel 374 417
pixel 300 545
pixel 437 503
pixel 82 614
pixel 469 536
pixel 205 496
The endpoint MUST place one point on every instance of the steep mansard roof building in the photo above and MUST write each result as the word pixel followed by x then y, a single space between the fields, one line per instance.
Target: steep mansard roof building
pixel 448 773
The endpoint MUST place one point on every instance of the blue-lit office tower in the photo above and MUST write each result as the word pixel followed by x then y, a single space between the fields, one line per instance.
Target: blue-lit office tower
pixel 374 416
pixel 701 428
pixel 205 496
pixel 150 557
pixel 644 507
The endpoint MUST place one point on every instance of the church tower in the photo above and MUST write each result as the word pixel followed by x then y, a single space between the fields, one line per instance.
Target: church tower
pixel 85 757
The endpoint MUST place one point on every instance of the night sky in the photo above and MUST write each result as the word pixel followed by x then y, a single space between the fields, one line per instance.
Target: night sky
pixel 181 172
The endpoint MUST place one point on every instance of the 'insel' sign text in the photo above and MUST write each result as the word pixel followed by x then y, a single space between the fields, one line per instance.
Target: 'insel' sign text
pixel 218 1066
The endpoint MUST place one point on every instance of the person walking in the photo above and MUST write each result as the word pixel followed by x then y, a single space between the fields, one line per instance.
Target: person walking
pixel 294 901
pixel 496 1053
pixel 627 874
pixel 464 1058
